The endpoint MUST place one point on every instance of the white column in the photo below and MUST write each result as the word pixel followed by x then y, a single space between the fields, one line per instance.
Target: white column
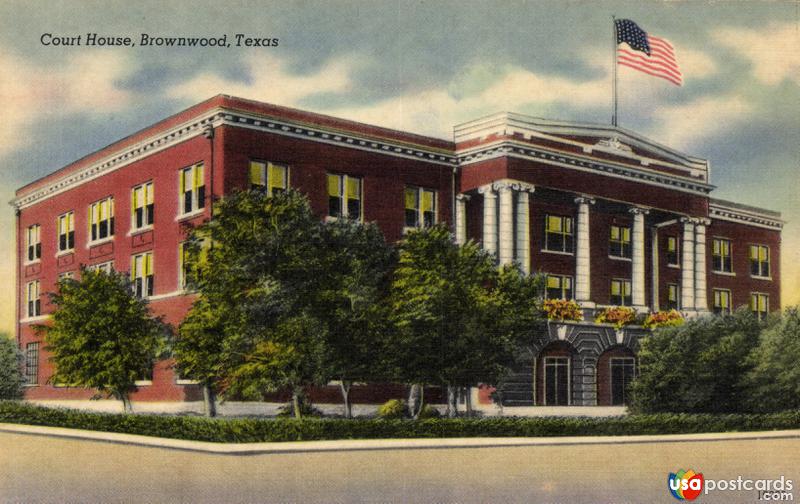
pixel 583 252
pixel 506 232
pixel 655 262
pixel 637 266
pixel 489 219
pixel 461 218
pixel 687 266
pixel 523 232
pixel 700 294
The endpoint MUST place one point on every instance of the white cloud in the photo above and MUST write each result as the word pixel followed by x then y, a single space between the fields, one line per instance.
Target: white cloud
pixel 81 84
pixel 687 126
pixel 694 64
pixel 772 50
pixel 270 81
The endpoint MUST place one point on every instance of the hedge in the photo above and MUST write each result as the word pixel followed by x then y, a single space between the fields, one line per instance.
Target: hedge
pixel 250 430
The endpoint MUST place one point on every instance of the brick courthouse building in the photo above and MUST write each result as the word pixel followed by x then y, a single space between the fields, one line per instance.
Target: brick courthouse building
pixel 612 217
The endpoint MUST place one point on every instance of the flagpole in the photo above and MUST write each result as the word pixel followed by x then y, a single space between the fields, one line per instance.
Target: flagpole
pixel 614 52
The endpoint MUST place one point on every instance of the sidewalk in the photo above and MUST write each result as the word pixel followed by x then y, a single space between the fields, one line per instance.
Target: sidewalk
pixel 378 444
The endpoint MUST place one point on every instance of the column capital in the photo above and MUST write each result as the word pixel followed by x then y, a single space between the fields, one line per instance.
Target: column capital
pixel 515 185
pixel 584 200
pixel 639 211
pixel 702 221
pixel 487 190
pixel 463 197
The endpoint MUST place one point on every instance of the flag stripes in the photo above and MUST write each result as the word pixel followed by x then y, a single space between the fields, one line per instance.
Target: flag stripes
pixel 651 55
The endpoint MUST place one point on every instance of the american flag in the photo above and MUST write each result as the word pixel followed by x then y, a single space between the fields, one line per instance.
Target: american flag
pixel 648 54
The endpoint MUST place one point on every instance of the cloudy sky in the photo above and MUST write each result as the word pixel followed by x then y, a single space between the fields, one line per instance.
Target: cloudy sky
pixel 421 66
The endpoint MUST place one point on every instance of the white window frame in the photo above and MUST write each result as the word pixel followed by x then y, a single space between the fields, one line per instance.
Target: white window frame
pixel 564 220
pixel 141 265
pixel 722 271
pixel 715 292
pixel 569 377
pixel 344 197
pixel 266 175
pixel 68 220
pixel 33 301
pixel 106 204
pixel 758 296
pixel 145 193
pixel 677 294
pixel 623 283
pixel 420 195
pixel 623 230
pixel 677 263
pixel 33 242
pixel 561 279
pixel 107 266
pixel 194 198
pixel 768 262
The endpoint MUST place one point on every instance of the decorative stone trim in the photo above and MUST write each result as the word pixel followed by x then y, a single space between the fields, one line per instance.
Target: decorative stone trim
pixel 750 218
pixel 529 153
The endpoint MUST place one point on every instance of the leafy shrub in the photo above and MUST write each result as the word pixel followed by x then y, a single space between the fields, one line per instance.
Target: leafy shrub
pixel 392 409
pixel 561 309
pixel 428 411
pixel 306 409
pixel 249 430
pixel 671 318
pixel 11 378
pixel 620 316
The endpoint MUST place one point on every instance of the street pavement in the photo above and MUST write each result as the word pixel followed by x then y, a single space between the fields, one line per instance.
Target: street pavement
pixel 37 468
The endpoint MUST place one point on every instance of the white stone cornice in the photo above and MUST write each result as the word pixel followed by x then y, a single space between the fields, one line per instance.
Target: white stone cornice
pixel 584 199
pixel 519 150
pixel 742 217
pixel 463 197
pixel 639 211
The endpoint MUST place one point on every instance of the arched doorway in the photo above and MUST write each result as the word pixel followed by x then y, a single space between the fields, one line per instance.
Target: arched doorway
pixel 554 374
pixel 616 369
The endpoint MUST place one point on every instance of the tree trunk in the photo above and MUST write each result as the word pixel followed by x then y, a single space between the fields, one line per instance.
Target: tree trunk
pixel 127 407
pixel 468 400
pixel 452 401
pixel 345 386
pixel 210 401
pixel 296 403
pixel 413 400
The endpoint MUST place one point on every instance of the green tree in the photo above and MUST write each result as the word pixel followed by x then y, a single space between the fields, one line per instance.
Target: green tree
pixel 446 300
pixel 357 268
pixel 11 377
pixel 263 274
pixel 102 336
pixel 773 384
pixel 198 350
pixel 697 367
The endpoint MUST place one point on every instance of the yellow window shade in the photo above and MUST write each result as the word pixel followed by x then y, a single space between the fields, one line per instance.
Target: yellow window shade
pixel 716 247
pixel 256 173
pixel 763 254
pixel 672 244
pixel 753 252
pixel 615 288
pixel 353 188
pixel 136 267
pixel 627 288
pixel 615 233
pixel 553 282
pixel 277 176
pixel 567 225
pixel 148 264
pixel 333 185
pixel 199 179
pixel 184 172
pixel 411 196
pixel 626 234
pixel 726 247
pixel 149 197
pixel 554 224
pixel 568 283
pixel 427 201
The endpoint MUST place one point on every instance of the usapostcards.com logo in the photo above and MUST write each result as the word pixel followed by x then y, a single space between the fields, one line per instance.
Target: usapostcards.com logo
pixel 685 485
pixel 688 485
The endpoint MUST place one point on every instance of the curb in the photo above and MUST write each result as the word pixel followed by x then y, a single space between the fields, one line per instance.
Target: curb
pixel 378 444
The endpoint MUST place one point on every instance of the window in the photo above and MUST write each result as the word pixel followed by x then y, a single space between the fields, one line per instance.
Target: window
pixel 273 178
pixel 420 205
pixel 32 298
pixel 66 275
pixel 142 274
pixel 672 296
pixel 192 189
pixel 721 255
pixel 620 292
pixel 722 301
pixel 101 219
pixel 620 242
pixel 672 250
pixel 558 233
pixel 344 196
pixel 106 267
pixel 34 243
pixel 759 260
pixel 559 287
pixel 622 373
pixel 759 303
pixel 32 364
pixel 556 381
pixel 142 207
pixel 66 232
